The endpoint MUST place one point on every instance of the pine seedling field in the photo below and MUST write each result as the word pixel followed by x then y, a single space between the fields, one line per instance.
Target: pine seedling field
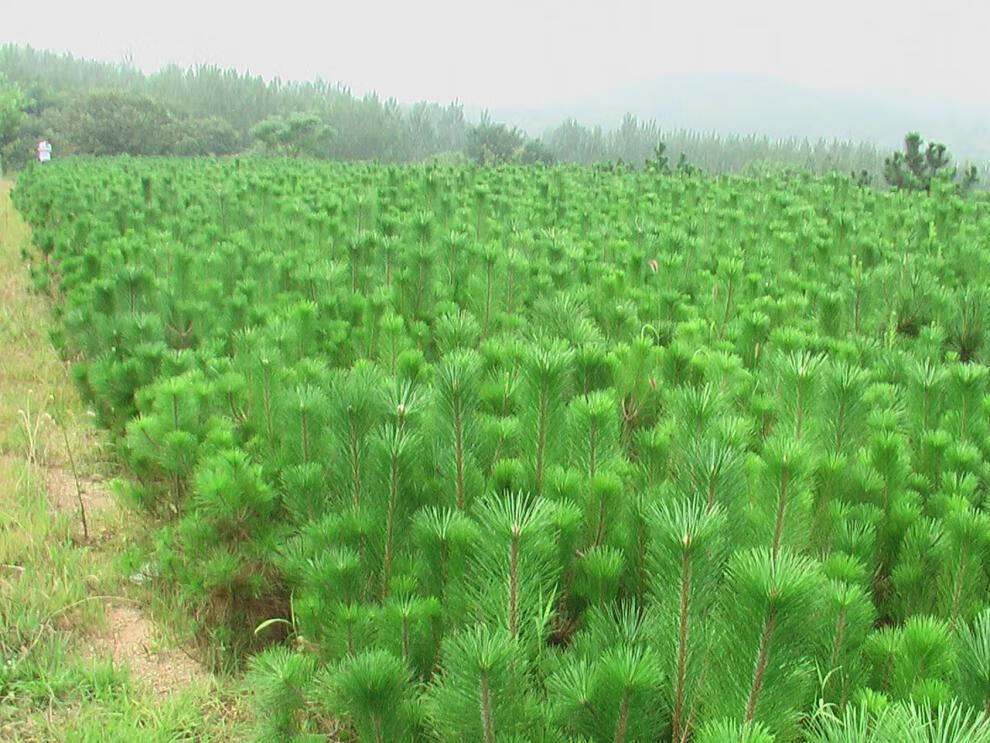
pixel 567 454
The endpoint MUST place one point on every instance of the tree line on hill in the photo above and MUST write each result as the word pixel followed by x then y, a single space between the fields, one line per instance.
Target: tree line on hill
pixel 103 108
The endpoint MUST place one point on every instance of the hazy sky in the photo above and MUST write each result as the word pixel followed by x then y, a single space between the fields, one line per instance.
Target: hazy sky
pixel 529 52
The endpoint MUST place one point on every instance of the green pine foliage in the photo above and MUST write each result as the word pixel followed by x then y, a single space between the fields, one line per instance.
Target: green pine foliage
pixel 503 454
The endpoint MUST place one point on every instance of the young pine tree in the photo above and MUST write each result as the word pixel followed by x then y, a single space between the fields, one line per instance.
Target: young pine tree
pixel 605 686
pixel 457 395
pixel 482 692
pixel 545 386
pixel 687 553
pixel 769 622
pixel 375 692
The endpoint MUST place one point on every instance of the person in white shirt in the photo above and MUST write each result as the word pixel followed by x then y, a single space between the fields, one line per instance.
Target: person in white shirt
pixel 44 151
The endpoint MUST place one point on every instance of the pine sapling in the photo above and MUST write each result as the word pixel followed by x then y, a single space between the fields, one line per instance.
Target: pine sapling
pixel 687 555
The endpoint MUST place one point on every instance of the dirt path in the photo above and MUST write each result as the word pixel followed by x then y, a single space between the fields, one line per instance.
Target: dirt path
pixel 46 438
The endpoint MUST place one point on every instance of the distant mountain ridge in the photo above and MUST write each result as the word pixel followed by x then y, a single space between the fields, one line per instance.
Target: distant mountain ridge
pixel 728 104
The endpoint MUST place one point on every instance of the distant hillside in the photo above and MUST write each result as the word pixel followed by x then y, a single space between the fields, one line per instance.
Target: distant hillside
pixel 747 105
pixel 716 124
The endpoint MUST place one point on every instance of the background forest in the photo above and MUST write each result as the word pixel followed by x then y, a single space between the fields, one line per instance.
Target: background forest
pixel 101 108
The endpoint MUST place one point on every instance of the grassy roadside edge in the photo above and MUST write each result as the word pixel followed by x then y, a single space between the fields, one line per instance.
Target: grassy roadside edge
pixel 66 612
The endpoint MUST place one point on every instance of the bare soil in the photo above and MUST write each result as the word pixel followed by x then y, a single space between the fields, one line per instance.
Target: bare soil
pixel 131 639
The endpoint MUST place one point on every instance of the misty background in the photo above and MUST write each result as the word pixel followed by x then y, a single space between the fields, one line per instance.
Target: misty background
pixel 726 84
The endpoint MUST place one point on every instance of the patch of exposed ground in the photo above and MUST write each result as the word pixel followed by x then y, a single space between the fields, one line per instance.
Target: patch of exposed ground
pixel 131 639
